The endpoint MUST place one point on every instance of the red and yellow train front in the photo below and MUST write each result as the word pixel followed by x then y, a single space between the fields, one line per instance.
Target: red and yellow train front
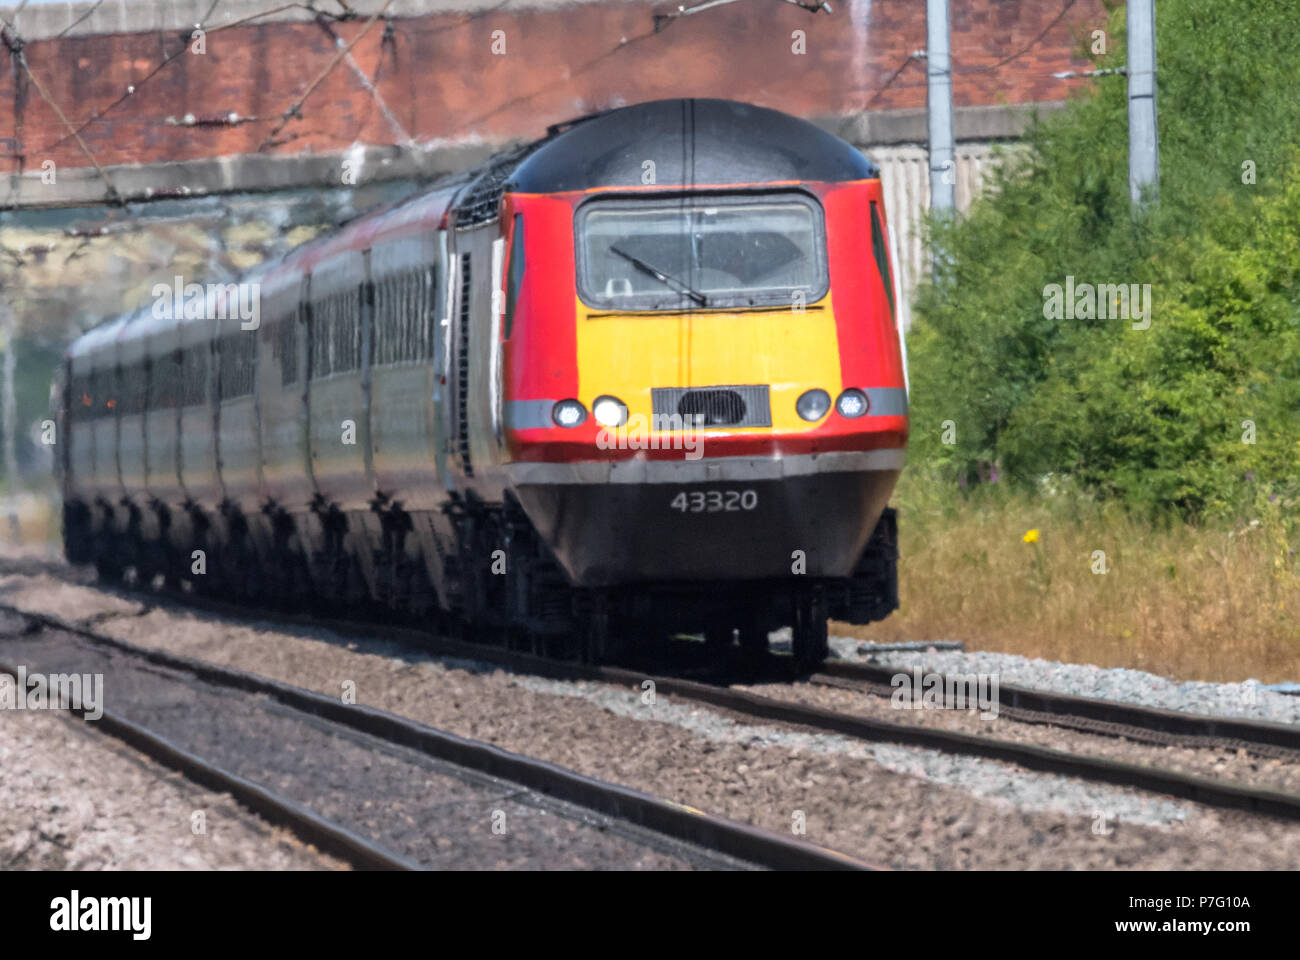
pixel 702 384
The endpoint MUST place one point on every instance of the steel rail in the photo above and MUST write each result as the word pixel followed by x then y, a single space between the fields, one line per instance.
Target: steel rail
pixel 1203 790
pixel 307 826
pixel 667 818
pixel 1045 706
pixel 1023 704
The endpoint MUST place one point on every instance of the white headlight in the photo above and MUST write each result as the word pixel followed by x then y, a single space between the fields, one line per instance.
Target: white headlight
pixel 568 413
pixel 852 403
pixel 609 411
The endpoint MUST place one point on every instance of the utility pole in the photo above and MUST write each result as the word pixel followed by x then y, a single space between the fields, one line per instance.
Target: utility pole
pixel 1143 140
pixel 9 419
pixel 938 101
pixel 938 60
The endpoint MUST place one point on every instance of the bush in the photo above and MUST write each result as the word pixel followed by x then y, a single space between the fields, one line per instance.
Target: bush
pixel 1159 416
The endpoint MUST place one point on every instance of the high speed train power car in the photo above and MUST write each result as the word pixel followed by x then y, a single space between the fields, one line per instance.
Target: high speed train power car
pixel 641 377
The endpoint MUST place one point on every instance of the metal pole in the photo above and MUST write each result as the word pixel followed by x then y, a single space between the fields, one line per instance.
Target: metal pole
pixel 9 421
pixel 1143 140
pixel 938 59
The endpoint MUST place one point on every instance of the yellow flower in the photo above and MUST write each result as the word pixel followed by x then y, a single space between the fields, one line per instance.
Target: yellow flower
pixel 1030 536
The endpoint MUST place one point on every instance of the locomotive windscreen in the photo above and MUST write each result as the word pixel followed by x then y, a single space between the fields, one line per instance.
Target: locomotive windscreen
pixel 700 251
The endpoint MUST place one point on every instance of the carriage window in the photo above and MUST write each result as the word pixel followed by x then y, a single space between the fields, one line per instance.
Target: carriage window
pixel 701 251
pixel 135 382
pixel 404 317
pixel 345 310
pixel 284 346
pixel 194 375
pixel 140 395
pixel 514 273
pixel 336 333
pixel 164 376
pixel 105 392
pixel 386 312
pixel 878 249
pixel 81 401
pixel 238 359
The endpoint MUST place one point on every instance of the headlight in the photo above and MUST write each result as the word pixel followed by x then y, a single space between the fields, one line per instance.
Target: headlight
pixel 813 405
pixel 609 411
pixel 852 403
pixel 568 413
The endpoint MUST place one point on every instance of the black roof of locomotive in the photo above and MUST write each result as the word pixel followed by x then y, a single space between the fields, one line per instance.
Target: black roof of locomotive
pixel 690 142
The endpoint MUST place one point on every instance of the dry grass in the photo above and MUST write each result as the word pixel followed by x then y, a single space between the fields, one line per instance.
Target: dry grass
pixel 1194 603
pixel 31 525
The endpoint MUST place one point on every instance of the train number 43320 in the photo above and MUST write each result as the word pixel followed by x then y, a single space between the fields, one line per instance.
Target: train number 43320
pixel 715 501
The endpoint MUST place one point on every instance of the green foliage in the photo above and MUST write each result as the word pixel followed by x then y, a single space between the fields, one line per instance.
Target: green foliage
pixel 1153 416
pixel 36 363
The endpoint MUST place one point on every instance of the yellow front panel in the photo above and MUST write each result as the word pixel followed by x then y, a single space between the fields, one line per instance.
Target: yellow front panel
pixel 625 355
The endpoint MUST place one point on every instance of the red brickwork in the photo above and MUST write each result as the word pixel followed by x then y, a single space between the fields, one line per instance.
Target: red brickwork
pixel 442 81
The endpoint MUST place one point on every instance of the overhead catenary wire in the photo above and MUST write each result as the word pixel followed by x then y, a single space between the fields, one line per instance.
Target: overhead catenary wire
pixel 295 109
pixel 1042 35
pixel 81 19
pixel 230 119
pixel 663 19
pixel 1075 74
pixel 919 55
pixel 349 13
pixel 660 23
pixel 15 45
pixel 135 88
pixel 466 18
pixel 369 84
pixel 911 58
pixel 371 87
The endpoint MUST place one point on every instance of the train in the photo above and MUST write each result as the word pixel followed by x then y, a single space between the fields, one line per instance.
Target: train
pixel 641 377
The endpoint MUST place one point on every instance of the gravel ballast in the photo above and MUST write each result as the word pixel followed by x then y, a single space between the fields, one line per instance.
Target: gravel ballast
pixel 1246 699
pixel 1236 766
pixel 898 806
pixel 74 799
pixel 431 812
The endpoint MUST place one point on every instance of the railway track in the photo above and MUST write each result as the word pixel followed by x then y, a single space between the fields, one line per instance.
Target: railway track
pixel 682 831
pixel 1114 718
pixel 1103 717
pixel 1099 717
pixel 327 836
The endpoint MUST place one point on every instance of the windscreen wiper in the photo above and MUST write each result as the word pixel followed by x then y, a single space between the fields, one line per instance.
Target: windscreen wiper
pixel 664 278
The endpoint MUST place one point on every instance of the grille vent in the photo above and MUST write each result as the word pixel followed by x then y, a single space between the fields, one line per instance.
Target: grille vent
pixel 724 406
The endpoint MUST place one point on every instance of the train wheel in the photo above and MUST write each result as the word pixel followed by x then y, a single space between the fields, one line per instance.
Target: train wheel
pixel 810 639
pixel 719 638
pixel 301 587
pixel 642 637
pixel 252 577
pixel 108 568
pixel 559 646
pixel 753 641
pixel 595 630
pixel 603 636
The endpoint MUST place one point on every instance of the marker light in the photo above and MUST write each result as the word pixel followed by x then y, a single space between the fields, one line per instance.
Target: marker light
pixel 568 413
pixel 813 405
pixel 852 403
pixel 609 411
